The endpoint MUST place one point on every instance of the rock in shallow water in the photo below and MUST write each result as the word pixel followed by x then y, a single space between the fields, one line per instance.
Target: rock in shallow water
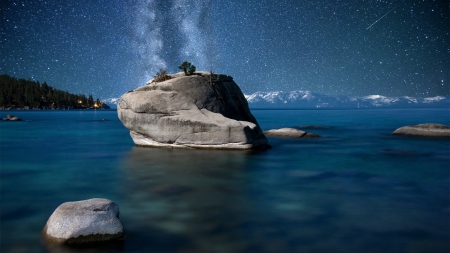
pixel 290 133
pixel 11 118
pixel 86 221
pixel 424 130
pixel 15 119
pixel 197 111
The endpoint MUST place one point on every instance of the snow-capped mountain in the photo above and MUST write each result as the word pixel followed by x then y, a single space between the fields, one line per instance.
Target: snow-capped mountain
pixel 112 102
pixel 307 99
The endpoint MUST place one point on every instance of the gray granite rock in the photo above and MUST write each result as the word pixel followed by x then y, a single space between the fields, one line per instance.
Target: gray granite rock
pixel 285 132
pixel 424 130
pixel 86 221
pixel 197 111
pixel 290 133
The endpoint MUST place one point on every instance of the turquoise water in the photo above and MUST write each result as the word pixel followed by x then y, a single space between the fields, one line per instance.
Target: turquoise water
pixel 356 189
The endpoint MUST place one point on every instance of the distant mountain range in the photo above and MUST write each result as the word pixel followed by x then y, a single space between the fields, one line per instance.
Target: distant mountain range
pixel 112 102
pixel 306 99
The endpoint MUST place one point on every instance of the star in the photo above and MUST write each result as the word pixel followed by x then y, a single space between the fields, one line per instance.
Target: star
pixel 110 47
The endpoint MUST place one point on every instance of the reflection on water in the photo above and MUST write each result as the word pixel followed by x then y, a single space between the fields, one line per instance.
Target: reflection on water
pixel 195 198
pixel 214 201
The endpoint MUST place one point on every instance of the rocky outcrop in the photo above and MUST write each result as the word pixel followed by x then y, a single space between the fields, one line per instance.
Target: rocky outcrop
pixel 12 118
pixel 290 133
pixel 87 221
pixel 424 130
pixel 196 111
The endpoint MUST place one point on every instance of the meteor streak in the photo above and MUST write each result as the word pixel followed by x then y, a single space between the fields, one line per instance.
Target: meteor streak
pixel 381 17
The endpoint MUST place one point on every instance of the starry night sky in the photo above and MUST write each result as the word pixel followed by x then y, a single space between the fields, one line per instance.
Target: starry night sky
pixel 335 47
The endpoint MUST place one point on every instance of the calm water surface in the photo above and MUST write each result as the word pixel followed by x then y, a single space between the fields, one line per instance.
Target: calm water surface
pixel 356 189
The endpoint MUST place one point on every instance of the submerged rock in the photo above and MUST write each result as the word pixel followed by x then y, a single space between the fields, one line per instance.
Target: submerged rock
pixel 424 130
pixel 196 111
pixel 290 133
pixel 311 135
pixel 171 190
pixel 86 221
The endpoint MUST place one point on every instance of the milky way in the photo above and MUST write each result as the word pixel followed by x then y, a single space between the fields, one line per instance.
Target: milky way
pixel 357 48
pixel 169 32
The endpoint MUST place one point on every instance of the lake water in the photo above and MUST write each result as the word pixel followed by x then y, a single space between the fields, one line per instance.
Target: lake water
pixel 356 189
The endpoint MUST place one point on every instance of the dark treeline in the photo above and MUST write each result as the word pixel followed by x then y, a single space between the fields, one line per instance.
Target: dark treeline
pixel 21 93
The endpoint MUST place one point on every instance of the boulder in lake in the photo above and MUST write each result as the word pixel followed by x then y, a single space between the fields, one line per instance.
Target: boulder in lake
pixel 86 221
pixel 203 110
pixel 290 133
pixel 425 130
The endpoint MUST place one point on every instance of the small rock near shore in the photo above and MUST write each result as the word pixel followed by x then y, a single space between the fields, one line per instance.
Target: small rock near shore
pixel 15 119
pixel 12 118
pixel 86 221
pixel 425 130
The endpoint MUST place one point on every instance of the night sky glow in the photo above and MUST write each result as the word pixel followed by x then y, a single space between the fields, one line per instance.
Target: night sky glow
pixel 356 48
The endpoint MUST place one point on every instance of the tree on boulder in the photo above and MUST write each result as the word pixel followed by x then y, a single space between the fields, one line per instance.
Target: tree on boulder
pixel 161 76
pixel 187 68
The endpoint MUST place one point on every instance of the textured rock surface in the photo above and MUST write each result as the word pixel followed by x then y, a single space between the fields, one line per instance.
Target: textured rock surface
pixel 290 133
pixel 285 132
pixel 86 221
pixel 424 130
pixel 197 111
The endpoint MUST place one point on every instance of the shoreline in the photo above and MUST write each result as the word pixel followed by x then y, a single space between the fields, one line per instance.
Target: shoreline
pixel 50 109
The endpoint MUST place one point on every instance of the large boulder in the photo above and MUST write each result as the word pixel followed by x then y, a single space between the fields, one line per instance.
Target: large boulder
pixel 425 130
pixel 86 221
pixel 196 111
